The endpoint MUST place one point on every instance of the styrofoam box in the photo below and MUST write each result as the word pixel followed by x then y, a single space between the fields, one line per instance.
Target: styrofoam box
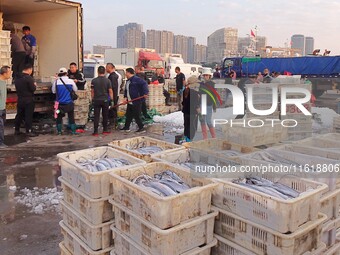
pixel 95 185
pixel 329 231
pixel 97 237
pixel 226 247
pixel 176 240
pixel 126 246
pixel 262 240
pixel 96 211
pixel 275 213
pixel 63 250
pixel 77 246
pixel 139 142
pixel 219 146
pixel 298 159
pixel 330 204
pixel 163 212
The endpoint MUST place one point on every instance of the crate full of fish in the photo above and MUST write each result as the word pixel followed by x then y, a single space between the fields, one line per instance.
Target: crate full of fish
pixel 76 246
pixel 200 163
pixel 97 237
pixel 310 167
pixel 96 211
pixel 282 203
pixel 221 147
pixel 162 193
pixel 143 147
pixel 126 246
pixel 176 240
pixel 330 204
pixel 263 240
pixel 87 169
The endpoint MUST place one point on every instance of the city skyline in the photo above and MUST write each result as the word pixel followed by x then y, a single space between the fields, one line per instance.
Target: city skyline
pixel 278 21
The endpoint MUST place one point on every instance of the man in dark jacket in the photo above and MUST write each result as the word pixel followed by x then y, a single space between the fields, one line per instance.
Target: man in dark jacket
pixel 113 77
pixel 135 87
pixel 77 76
pixel 25 87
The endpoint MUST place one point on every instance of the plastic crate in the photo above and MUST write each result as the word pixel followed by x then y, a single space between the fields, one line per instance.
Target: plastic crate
pixel 97 237
pixel 176 240
pixel 5 34
pixel 329 231
pixel 63 250
pixel 219 146
pixel 163 212
pixel 96 211
pixel 81 115
pixel 84 94
pixel 226 247
pixel 95 185
pixel 82 102
pixel 324 141
pixel 126 246
pixel 330 204
pixel 262 240
pixel 76 246
pixel 275 213
pixel 299 160
pixel 333 250
pixel 142 141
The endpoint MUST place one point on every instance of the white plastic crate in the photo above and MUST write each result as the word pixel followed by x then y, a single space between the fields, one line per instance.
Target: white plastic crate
pixel 226 247
pixel 329 232
pixel 330 204
pixel 96 211
pixel 293 136
pixel 139 142
pixel 323 141
pixel 82 102
pixel 95 185
pixel 176 240
pixel 76 246
pixel 299 160
pixel 163 212
pixel 333 250
pixel 262 240
pixel 83 94
pixel 80 115
pixel 215 145
pixel 275 213
pixel 97 237
pixel 63 250
pixel 126 246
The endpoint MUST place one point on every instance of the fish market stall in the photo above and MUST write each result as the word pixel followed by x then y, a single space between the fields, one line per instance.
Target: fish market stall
pixel 143 147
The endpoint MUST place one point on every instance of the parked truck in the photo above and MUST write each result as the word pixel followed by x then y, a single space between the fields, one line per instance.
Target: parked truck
pixel 148 59
pixel 58 28
pixel 322 71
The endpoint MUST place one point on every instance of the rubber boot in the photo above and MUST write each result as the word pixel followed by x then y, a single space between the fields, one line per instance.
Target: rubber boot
pixel 212 132
pixel 204 131
pixel 59 128
pixel 73 129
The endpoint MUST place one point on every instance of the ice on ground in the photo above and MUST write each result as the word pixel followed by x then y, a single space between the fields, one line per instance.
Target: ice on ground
pixel 40 201
pixel 323 118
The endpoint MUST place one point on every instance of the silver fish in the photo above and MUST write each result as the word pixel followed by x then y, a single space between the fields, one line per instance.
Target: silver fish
pixel 161 188
pixel 175 186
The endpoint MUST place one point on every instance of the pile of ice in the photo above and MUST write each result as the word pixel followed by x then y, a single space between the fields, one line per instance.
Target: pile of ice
pixel 323 118
pixel 174 119
pixel 40 201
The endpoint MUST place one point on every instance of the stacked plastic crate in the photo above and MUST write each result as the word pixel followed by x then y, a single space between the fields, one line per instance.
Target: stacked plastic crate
pixel 252 222
pixel 5 49
pixel 155 98
pixel 82 107
pixel 87 213
pixel 336 124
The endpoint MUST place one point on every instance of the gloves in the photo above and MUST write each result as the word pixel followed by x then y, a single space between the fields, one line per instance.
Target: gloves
pixel 180 91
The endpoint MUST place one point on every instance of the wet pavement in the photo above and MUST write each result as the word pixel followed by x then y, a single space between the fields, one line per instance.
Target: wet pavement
pixel 30 163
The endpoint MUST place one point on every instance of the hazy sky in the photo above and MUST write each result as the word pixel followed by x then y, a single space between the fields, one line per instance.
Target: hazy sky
pixel 277 20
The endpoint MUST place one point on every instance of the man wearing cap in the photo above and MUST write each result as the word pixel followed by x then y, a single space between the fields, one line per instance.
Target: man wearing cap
pixel 25 87
pixel 63 88
pixel 30 45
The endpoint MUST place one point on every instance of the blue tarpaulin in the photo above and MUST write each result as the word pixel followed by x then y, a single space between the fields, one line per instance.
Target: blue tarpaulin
pixel 313 65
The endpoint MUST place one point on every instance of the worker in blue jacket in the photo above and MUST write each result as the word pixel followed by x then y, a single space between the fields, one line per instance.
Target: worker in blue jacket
pixel 136 89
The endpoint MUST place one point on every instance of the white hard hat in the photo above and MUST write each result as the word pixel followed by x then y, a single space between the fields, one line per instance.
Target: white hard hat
pixel 207 71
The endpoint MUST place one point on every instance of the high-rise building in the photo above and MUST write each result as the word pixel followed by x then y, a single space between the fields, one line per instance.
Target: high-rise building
pixel 100 49
pixel 181 43
pixel 309 45
pixel 161 41
pixel 222 43
pixel 245 42
pixel 125 35
pixel 298 42
pixel 200 53
pixel 191 49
